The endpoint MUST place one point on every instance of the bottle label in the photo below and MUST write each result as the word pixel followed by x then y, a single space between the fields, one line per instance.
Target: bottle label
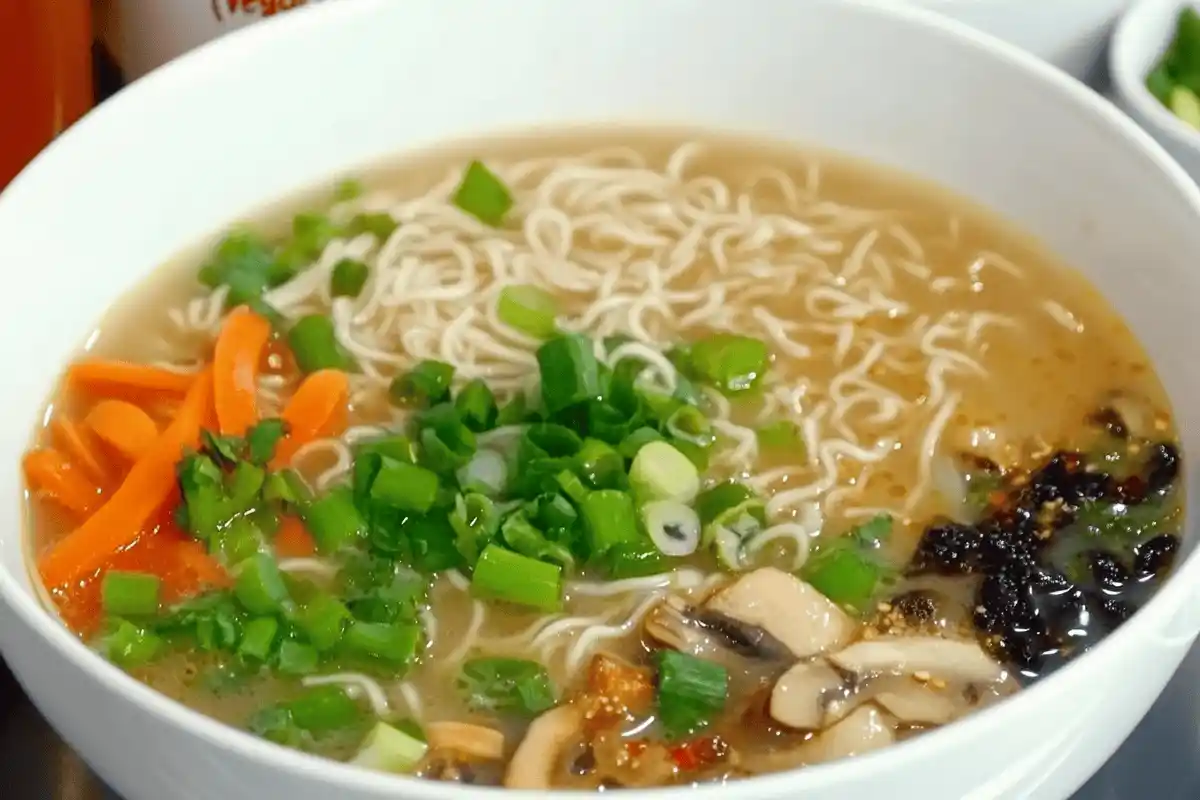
pixel 139 35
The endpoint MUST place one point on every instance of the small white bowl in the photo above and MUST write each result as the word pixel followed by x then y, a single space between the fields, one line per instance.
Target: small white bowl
pixel 1139 40
pixel 331 87
pixel 1070 34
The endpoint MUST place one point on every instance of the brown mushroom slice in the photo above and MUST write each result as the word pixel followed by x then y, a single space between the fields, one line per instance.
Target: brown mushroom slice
pixel 917 704
pixel 949 659
pixel 801 694
pixel 533 764
pixel 788 609
pixel 710 635
pixel 467 739
pixel 864 730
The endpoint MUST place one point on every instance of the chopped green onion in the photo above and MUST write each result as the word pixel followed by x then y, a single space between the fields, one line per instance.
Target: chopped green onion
pixel 395 446
pixel 601 466
pixel 716 500
pixel 673 527
pixel 570 372
pixel 242 261
pixel 571 485
pixel 394 644
pixel 514 412
pixel 130 646
pixel 387 749
pixel 348 278
pixel 660 472
pixel 475 521
pixel 243 487
pixel 730 362
pixel 262 439
pixel 521 535
pixel 636 440
pixel 404 486
pixel 323 709
pixel 286 486
pixel 691 691
pixel 323 620
pixel 427 384
pixel 688 423
pixel 381 225
pixel 260 587
pixel 310 233
pixel 549 440
pixel 431 538
pixel 781 434
pixel 297 659
pixel 1185 104
pixel 315 346
pixel 129 594
pixel 258 637
pixel 733 530
pixel 237 541
pixel 634 559
pixel 504 575
pixel 486 473
pixel 334 521
pixel 610 520
pixel 848 569
pixel 348 189
pixel 482 195
pixel 476 406
pixel 506 686
pixel 528 309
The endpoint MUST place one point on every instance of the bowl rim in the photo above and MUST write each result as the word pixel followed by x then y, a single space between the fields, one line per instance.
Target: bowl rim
pixel 1124 49
pixel 192 66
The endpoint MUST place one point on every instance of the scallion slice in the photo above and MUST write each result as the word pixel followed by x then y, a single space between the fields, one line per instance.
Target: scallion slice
pixel 483 195
pixel 528 309
pixel 691 691
pixel 504 575
pixel 129 594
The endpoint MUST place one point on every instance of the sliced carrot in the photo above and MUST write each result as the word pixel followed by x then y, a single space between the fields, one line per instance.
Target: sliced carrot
pixel 126 428
pixel 76 442
pixel 146 488
pixel 293 540
pixel 161 549
pixel 126 379
pixel 236 359
pixel 317 410
pixel 50 474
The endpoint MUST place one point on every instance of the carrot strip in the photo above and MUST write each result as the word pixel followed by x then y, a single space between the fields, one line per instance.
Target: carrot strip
pixel 317 410
pixel 145 489
pixel 49 474
pixel 293 540
pixel 202 571
pixel 128 429
pixel 236 358
pixel 124 378
pixel 74 439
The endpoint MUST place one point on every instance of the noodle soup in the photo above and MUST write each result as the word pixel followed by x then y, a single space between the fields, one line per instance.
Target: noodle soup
pixel 605 460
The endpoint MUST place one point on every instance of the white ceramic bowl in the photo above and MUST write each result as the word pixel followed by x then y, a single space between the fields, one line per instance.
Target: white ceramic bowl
pixel 1141 36
pixel 283 105
pixel 1070 34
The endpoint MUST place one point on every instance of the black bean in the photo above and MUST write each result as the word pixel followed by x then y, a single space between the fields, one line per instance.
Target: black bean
pixel 1114 610
pixel 1107 571
pixel 949 549
pixel 1162 466
pixel 918 606
pixel 1155 556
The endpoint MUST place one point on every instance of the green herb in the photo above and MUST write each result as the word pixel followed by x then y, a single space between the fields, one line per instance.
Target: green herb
pixel 782 435
pixel 506 686
pixel 348 278
pixel 528 309
pixel 129 594
pixel 315 346
pixel 260 587
pixel 732 363
pixel 569 371
pixel 482 195
pixel 504 575
pixel 848 570
pixel 476 406
pixel 691 692
pixel 334 521
pixel 130 646
pixel 426 384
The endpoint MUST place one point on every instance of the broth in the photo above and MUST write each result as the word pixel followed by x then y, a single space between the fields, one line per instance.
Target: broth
pixel 955 430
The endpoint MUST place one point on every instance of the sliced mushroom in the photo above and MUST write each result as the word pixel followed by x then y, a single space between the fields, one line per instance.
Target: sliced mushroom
pixel 918 705
pixel 861 732
pixel 951 660
pixel 788 609
pixel 533 764
pixel 476 741
pixel 801 694
pixel 709 634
